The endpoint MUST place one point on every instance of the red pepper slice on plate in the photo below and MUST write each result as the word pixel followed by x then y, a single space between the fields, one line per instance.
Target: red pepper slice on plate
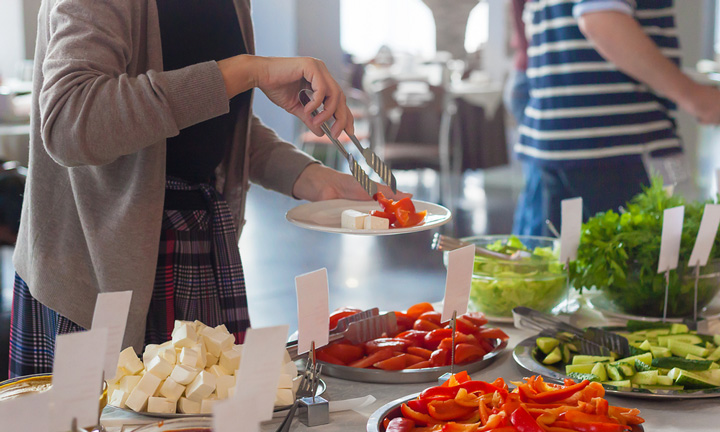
pixel 557 395
pixel 591 427
pixel 524 422
pixel 385 215
pixel 448 410
pixel 417 417
pixel 419 405
pixel 418 309
pixel 400 424
pixel 443 393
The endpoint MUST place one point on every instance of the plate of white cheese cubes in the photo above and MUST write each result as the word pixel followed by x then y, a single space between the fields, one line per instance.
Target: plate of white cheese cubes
pixel 187 374
pixel 353 217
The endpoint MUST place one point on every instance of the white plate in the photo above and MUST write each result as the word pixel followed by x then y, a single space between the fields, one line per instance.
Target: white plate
pixel 325 216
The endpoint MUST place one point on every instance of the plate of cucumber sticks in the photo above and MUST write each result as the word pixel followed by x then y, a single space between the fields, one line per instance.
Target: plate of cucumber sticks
pixel 667 360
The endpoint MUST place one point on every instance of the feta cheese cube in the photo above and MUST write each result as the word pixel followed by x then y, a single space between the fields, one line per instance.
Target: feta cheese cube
pixel 150 352
pixel 137 400
pixel 120 372
pixel 189 357
pixel 118 398
pixel 161 405
pixel 130 361
pixel 296 384
pixel 284 381
pixel 202 355
pixel 218 370
pixel 376 223
pixel 230 359
pixel 171 390
pixel 184 336
pixel 149 383
pixel 128 383
pixel 159 367
pixel 199 326
pixel 210 359
pixel 202 386
pixel 184 374
pixel 168 353
pixel 216 341
pixel 224 384
pixel 289 368
pixel 222 328
pixel 353 219
pixel 187 406
pixel 206 405
pixel 284 397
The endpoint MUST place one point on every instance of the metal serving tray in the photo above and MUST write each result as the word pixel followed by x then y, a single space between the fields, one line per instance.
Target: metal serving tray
pixel 523 355
pixel 408 376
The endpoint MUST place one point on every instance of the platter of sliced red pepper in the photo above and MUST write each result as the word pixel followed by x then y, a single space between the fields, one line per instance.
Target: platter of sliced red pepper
pixel 464 405
pixel 419 352
pixel 405 215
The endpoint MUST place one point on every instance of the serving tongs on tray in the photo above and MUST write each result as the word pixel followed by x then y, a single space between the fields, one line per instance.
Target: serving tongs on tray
pixel 372 159
pixel 593 340
pixel 362 329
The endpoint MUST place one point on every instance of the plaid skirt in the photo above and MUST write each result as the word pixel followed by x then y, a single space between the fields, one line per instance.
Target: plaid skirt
pixel 199 277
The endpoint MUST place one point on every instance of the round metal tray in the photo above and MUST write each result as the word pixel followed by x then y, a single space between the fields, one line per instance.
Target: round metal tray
pixel 523 355
pixel 320 390
pixel 408 376
pixel 392 410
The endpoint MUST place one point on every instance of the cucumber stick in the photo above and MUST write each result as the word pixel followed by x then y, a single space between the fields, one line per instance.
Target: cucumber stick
pixel 646 377
pixel 588 359
pixel 687 338
pixel 681 349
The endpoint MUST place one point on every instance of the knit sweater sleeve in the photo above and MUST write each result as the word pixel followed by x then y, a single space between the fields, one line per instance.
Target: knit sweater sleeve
pixel 92 110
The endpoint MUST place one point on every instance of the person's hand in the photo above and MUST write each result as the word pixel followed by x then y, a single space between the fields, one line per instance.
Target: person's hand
pixel 320 183
pixel 703 102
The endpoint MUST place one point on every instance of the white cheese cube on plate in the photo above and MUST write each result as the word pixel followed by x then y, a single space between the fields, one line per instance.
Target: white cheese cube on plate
pixel 137 400
pixel 112 387
pixel 210 360
pixel 199 348
pixel 170 389
pixel 296 384
pixel 218 370
pixel 216 341
pixel 161 405
pixel 199 325
pixel 149 383
pixel 184 374
pixel 224 384
pixel 289 368
pixel 189 357
pixel 159 367
pixel 120 372
pixel 376 223
pixel 353 219
pixel 184 336
pixel 150 352
pixel 118 398
pixel 230 359
pixel 284 397
pixel 222 328
pixel 285 381
pixel 130 361
pixel 206 405
pixel 128 383
pixel 187 406
pixel 202 386
pixel 168 353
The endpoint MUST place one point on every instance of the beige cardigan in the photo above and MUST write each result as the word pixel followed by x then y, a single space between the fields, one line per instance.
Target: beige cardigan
pixel 102 109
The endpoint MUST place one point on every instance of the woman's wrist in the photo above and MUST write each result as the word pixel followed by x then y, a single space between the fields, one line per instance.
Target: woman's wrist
pixel 240 73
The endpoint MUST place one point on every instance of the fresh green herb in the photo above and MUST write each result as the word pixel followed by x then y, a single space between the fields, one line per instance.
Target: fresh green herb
pixel 619 254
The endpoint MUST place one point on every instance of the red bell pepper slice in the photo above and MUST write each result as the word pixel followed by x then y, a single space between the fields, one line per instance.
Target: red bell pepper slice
pixel 446 410
pixel 419 405
pixel 373 358
pixel 591 427
pixel 444 393
pixel 400 424
pixel 459 427
pixel 574 416
pixel 385 215
pixel 417 417
pixel 524 422
pixel 416 310
pixel 557 395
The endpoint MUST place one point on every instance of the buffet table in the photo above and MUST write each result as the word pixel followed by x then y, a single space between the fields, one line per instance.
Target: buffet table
pixel 660 415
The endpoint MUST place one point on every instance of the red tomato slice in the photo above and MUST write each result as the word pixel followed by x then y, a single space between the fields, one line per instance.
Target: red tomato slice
pixel 425 325
pixel 459 339
pixel 492 333
pixel 373 358
pixel 327 358
pixel 415 337
pixel 412 359
pixel 420 352
pixel 464 325
pixel 477 318
pixel 467 353
pixel 433 339
pixel 344 352
pixel 340 314
pixel 431 316
pixel 393 363
pixel 378 344
pixel 421 365
pixel 415 311
pixel 440 358
pixel 404 321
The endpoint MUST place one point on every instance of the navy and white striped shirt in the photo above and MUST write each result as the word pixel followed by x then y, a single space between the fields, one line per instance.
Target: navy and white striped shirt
pixel 582 109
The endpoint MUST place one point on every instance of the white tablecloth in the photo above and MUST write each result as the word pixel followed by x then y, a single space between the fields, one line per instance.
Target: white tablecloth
pixel 699 415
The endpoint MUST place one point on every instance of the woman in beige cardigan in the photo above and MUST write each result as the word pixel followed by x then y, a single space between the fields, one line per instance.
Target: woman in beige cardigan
pixel 143 135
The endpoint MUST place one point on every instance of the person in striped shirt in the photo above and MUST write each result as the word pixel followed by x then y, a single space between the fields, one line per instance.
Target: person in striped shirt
pixel 604 81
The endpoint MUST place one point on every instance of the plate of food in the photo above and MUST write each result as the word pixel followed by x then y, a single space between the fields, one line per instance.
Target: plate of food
pixel 380 217
pixel 667 361
pixel 184 376
pixel 419 352
pixel 464 405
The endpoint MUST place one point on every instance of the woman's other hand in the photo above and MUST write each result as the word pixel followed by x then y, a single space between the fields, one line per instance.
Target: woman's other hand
pixel 281 79
pixel 319 183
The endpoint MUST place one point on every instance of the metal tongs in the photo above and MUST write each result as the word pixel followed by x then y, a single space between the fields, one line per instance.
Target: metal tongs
pixel 371 158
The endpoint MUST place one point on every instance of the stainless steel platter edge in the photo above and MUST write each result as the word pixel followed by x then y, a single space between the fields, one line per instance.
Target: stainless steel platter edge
pixel 522 354
pixel 408 376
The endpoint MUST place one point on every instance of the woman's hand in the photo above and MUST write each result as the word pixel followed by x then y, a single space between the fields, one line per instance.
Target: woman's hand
pixel 319 183
pixel 281 79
